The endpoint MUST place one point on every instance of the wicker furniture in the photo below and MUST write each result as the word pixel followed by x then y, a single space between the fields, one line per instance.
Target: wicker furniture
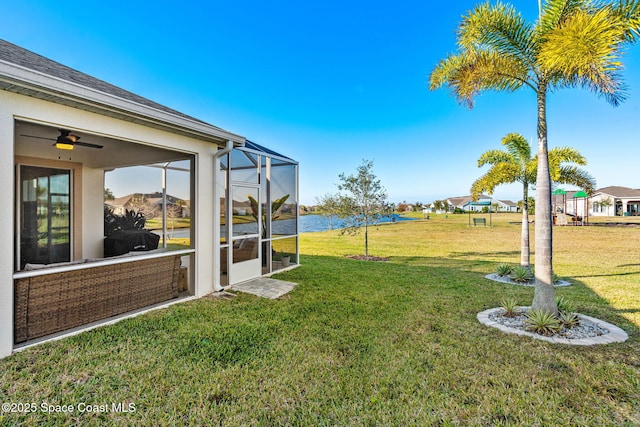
pixel 56 301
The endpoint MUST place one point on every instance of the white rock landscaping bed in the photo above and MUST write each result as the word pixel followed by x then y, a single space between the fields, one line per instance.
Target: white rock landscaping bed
pixel 590 331
pixel 505 279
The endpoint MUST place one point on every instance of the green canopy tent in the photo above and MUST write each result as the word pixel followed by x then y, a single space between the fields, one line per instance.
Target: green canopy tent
pixel 581 195
pixel 560 191
pixel 557 192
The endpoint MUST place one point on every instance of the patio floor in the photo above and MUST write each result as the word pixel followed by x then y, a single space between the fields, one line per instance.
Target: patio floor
pixel 264 287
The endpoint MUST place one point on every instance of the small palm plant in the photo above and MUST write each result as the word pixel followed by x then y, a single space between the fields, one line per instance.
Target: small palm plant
pixel 564 305
pixel 566 315
pixel 542 322
pixel 510 307
pixel 504 269
pixel 568 319
pixel 521 274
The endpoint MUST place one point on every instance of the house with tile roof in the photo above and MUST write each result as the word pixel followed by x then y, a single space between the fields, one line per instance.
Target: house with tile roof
pixel 615 201
pixel 155 200
pixel 61 130
pixel 607 201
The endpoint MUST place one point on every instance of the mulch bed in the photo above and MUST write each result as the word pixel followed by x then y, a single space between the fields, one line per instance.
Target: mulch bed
pixel 368 258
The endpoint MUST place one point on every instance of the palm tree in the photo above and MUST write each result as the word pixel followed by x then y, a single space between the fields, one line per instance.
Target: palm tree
pixel 516 164
pixel 574 43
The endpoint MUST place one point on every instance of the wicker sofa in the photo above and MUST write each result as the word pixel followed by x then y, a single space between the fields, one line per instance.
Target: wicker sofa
pixel 55 301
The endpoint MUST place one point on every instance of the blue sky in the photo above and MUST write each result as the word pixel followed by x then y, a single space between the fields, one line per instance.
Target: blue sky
pixel 327 83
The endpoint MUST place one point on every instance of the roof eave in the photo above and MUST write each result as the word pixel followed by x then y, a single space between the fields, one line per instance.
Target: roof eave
pixel 28 82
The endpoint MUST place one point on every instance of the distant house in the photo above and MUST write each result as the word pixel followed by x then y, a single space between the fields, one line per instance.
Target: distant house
pixel 507 206
pixel 457 202
pixel 430 208
pixel 607 201
pixel 615 201
pixel 120 204
pixel 153 200
pixel 467 204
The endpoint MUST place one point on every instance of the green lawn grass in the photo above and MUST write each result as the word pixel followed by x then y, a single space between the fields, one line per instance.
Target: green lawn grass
pixel 362 343
pixel 175 223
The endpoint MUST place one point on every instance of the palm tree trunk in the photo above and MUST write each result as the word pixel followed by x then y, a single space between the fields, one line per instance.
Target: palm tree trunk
pixel 525 258
pixel 544 296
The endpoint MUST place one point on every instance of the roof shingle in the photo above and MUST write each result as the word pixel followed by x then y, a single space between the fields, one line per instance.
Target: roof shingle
pixel 17 55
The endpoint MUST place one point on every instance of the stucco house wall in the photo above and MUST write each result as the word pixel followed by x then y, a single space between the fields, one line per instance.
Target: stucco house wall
pixel 620 201
pixel 88 228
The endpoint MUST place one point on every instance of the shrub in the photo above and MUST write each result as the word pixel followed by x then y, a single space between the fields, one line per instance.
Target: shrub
pixel 521 274
pixel 568 319
pixel 564 305
pixel 504 269
pixel 510 306
pixel 542 322
pixel 131 220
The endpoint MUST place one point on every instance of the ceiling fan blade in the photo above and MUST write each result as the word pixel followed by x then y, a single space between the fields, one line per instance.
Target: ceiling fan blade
pixel 87 144
pixel 65 138
pixel 39 137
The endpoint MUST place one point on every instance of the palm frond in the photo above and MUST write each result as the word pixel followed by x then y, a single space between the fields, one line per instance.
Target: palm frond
pixel 493 157
pixel 519 148
pixel 585 51
pixel 555 12
pixel 575 176
pixel 559 155
pixel 498 28
pixel 628 11
pixel 469 73
pixel 531 171
pixel 444 70
pixel 500 173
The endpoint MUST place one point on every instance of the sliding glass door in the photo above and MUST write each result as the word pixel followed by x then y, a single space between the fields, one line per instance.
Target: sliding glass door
pixel 45 215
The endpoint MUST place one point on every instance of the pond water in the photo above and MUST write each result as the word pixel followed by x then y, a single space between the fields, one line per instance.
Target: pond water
pixel 313 223
pixel 308 224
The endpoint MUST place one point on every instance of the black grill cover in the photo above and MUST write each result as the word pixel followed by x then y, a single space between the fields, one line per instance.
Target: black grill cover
pixel 124 241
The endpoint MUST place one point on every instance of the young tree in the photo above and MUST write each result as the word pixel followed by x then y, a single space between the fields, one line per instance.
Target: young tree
pixel 516 164
pixel 607 203
pixel 574 43
pixel 365 201
pixel 531 205
pixel 441 205
pixel 330 205
pixel 108 194
pixel 140 204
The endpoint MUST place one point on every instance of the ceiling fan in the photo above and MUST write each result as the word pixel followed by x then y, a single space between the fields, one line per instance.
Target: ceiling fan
pixel 66 140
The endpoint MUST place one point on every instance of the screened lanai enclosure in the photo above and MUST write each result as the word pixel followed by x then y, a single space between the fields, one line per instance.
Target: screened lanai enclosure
pixel 118 205
pixel 258 191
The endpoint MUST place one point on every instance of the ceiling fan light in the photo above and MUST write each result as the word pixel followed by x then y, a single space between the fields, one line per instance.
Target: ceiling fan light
pixel 64 146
